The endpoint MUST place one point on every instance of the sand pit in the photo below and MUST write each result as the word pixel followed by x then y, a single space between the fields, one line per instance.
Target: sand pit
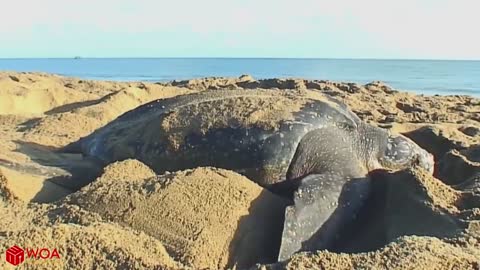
pixel 213 218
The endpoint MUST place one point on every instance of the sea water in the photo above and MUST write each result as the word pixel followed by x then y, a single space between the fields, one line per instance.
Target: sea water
pixel 421 76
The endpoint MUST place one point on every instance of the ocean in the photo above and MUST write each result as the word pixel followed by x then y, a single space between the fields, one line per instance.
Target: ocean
pixel 430 77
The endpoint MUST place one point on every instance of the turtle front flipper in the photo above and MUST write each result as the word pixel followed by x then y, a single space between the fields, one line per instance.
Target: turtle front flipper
pixel 323 204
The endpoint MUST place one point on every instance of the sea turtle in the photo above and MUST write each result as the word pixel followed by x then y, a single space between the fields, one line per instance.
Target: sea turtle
pixel 298 139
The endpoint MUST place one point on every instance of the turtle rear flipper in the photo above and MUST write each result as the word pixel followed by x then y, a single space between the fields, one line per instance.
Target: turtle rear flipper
pixel 71 176
pixel 29 181
pixel 79 174
pixel 71 171
pixel 323 204
pixel 74 147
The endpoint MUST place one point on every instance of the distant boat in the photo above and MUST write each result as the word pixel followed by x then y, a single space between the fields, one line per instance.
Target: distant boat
pixel 77 57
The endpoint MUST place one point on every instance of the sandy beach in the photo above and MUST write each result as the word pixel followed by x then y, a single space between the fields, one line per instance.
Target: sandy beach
pixel 212 218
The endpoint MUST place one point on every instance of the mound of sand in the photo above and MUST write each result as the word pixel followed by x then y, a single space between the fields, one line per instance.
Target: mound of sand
pixel 36 93
pixel 409 252
pixel 81 238
pixel 61 110
pixel 129 170
pixel 206 217
pixel 102 245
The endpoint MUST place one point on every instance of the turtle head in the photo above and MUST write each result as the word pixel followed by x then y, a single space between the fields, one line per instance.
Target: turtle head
pixel 399 152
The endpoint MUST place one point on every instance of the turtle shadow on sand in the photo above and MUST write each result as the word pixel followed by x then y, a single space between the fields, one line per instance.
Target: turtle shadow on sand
pixel 76 105
pixel 268 233
pixel 394 206
pixel 401 205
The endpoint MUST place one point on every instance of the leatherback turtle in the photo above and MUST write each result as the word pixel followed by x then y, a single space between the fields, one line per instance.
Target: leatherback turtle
pixel 303 138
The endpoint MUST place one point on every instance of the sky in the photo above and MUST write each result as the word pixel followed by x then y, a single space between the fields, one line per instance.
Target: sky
pixel 407 29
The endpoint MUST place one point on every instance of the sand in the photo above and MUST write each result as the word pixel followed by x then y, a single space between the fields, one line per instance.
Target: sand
pixel 207 217
pixel 213 218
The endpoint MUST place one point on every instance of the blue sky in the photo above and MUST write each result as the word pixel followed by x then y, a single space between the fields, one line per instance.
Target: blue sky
pixel 425 29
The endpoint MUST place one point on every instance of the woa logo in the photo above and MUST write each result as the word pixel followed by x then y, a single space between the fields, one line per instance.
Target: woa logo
pixel 16 255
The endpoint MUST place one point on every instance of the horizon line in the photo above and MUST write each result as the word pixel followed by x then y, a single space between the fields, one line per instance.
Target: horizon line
pixel 234 57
